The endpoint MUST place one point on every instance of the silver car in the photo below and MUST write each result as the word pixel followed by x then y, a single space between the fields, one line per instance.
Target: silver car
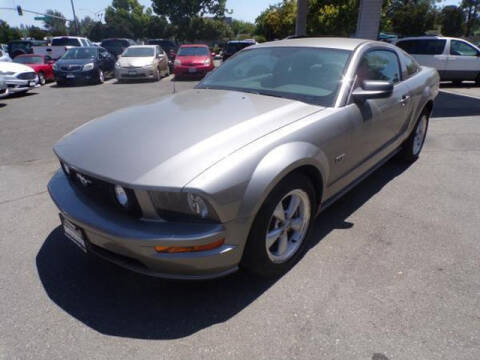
pixel 142 62
pixel 232 173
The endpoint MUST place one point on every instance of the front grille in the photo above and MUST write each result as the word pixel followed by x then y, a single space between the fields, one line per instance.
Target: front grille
pixel 70 67
pixel 27 76
pixel 102 192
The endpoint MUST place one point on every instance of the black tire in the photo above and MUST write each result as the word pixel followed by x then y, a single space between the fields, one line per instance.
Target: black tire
pixel 410 150
pixel 255 257
pixel 41 78
pixel 477 80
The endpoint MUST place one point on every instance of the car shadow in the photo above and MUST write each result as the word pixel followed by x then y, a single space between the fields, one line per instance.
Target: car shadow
pixel 453 105
pixel 21 94
pixel 117 302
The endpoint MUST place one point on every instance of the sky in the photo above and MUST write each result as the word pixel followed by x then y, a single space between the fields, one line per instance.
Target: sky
pixel 246 10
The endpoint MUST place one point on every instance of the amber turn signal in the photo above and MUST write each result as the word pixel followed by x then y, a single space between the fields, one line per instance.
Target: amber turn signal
pixel 178 249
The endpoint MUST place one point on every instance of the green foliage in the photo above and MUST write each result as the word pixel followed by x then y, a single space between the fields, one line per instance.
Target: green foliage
pixel 126 18
pixel 54 26
pixel 182 12
pixel 452 21
pixel 277 21
pixel 338 18
pixel 36 33
pixel 410 17
pixel 471 10
pixel 8 33
pixel 206 29
pixel 240 28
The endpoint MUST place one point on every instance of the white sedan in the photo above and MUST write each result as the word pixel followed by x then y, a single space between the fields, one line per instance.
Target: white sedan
pixel 18 77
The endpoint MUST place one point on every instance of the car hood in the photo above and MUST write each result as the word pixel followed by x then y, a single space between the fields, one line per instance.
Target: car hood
pixel 168 143
pixel 192 59
pixel 14 67
pixel 135 61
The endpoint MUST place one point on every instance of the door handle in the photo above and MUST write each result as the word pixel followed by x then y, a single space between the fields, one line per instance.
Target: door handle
pixel 404 99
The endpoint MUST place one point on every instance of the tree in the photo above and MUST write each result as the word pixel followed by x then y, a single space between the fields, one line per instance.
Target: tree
pixel 126 18
pixel 158 27
pixel 8 33
pixel 97 32
pixel 206 29
pixel 86 25
pixel 338 18
pixel 240 27
pixel 36 33
pixel 54 25
pixel 452 21
pixel 181 12
pixel 411 17
pixel 471 9
pixel 277 21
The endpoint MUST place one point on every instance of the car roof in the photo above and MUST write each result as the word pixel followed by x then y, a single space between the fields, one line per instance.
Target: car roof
pixel 428 37
pixel 194 45
pixel 69 37
pixel 323 42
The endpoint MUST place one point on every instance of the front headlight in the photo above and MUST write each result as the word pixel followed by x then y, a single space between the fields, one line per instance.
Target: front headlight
pixel 121 196
pixel 206 62
pixel 88 67
pixel 182 206
pixel 117 65
pixel 149 66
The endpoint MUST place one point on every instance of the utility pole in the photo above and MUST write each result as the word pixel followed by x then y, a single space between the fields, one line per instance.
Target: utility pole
pixel 369 12
pixel 75 18
pixel 301 23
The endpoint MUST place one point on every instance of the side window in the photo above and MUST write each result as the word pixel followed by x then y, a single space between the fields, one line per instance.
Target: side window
pixel 410 64
pixel 379 65
pixel 423 46
pixel 460 48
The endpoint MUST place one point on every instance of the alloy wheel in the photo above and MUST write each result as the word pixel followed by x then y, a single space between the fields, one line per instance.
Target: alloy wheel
pixel 419 135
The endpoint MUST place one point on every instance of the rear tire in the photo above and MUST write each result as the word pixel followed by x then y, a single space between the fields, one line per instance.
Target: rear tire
pixel 279 235
pixel 412 147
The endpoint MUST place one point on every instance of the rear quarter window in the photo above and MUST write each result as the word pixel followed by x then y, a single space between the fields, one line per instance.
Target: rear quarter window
pixel 423 46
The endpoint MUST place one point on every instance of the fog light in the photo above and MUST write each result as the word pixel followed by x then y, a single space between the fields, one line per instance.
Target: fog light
pixel 197 205
pixel 180 249
pixel 121 195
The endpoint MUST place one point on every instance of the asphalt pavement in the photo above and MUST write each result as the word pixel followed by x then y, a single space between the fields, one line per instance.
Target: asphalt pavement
pixel 393 271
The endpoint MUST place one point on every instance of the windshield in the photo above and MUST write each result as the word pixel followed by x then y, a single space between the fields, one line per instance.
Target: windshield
pixel 164 44
pixel 80 53
pixel 311 75
pixel 193 51
pixel 65 42
pixel 138 52
pixel 28 60
pixel 115 43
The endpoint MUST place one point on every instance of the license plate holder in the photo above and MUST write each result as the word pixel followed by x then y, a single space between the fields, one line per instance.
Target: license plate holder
pixel 132 72
pixel 192 70
pixel 70 76
pixel 74 233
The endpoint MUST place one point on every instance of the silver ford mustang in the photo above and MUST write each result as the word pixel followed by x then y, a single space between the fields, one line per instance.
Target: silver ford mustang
pixel 232 173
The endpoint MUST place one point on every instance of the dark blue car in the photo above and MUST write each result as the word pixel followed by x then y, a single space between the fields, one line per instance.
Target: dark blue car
pixel 84 64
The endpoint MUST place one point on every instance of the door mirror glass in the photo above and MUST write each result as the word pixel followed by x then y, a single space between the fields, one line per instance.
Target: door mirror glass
pixel 372 89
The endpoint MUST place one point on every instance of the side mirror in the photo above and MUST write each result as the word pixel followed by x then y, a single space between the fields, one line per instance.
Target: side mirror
pixel 372 89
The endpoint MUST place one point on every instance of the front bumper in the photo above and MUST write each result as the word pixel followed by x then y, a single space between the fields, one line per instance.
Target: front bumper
pixel 76 76
pixel 137 73
pixel 129 242
pixel 184 70
pixel 17 85
pixel 3 91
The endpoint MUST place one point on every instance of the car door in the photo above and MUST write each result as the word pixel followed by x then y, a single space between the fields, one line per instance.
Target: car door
pixel 378 121
pixel 162 59
pixel 463 61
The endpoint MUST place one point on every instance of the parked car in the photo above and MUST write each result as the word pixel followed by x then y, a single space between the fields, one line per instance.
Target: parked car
pixel 455 59
pixel 3 88
pixel 84 64
pixel 42 65
pixel 4 56
pixel 168 46
pixel 232 173
pixel 142 62
pixel 235 46
pixel 193 60
pixel 19 78
pixel 116 46
pixel 59 45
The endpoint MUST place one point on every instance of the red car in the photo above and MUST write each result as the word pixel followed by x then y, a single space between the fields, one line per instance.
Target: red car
pixel 193 60
pixel 42 65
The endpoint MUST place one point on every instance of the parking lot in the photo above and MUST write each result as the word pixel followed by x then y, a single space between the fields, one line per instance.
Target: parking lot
pixel 393 271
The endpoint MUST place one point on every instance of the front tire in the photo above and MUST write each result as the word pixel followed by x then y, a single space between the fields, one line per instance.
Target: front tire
pixel 41 79
pixel 278 237
pixel 412 147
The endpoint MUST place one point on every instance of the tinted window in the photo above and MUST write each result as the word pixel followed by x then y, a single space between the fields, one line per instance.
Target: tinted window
pixel 307 74
pixel 379 65
pixel 80 53
pixel 28 60
pixel 65 42
pixel 115 43
pixel 139 52
pixel 460 48
pixel 411 65
pixel 234 47
pixel 164 44
pixel 423 47
pixel 193 51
